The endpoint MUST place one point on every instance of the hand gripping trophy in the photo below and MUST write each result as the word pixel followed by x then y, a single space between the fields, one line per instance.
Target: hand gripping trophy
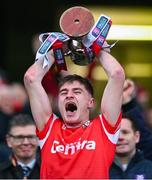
pixel 80 39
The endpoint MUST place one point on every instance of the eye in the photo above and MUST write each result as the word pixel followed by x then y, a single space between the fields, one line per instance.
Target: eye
pixel 62 93
pixel 77 92
pixel 125 132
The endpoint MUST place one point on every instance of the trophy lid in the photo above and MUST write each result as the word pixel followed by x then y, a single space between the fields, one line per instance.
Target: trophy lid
pixel 76 21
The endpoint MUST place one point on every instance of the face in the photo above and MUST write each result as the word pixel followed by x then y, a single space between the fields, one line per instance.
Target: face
pixel 74 103
pixel 127 140
pixel 23 142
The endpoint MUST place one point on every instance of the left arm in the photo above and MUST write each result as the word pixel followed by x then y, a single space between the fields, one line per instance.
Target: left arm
pixel 112 97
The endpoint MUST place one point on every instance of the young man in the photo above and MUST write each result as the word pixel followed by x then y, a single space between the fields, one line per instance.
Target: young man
pixel 75 146
pixel 129 162
pixel 22 140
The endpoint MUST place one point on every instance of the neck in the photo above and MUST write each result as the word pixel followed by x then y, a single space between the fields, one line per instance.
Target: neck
pixel 82 124
pixel 126 157
pixel 25 160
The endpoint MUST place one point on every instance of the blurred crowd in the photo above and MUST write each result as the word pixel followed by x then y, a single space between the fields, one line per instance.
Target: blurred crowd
pixel 18 141
pixel 13 100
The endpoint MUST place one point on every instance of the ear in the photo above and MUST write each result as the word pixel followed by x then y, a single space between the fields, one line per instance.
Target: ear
pixel 8 140
pixel 91 103
pixel 137 135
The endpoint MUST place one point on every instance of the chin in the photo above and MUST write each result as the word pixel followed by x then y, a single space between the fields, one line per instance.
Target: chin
pixel 72 121
pixel 73 118
pixel 122 153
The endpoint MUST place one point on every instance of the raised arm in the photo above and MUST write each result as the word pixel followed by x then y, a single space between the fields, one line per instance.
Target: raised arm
pixel 112 97
pixel 39 101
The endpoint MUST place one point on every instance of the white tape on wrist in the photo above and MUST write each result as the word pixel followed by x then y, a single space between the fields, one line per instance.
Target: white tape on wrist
pixel 51 38
pixel 96 30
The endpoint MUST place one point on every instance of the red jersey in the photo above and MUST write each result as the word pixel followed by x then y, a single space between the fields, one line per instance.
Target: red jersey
pixel 77 153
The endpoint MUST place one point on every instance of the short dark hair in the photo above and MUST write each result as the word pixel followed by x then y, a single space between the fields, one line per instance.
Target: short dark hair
pixel 128 116
pixel 84 81
pixel 20 120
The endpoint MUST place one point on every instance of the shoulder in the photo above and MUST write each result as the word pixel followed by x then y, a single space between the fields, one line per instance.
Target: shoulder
pixel 140 159
pixel 146 163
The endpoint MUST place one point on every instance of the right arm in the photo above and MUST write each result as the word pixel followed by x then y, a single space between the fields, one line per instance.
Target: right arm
pixel 39 101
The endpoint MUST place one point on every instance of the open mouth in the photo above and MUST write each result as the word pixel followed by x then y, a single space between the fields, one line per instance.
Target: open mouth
pixel 71 107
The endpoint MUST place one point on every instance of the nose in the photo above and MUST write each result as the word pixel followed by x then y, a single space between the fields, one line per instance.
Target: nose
pixel 120 136
pixel 69 94
pixel 25 141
